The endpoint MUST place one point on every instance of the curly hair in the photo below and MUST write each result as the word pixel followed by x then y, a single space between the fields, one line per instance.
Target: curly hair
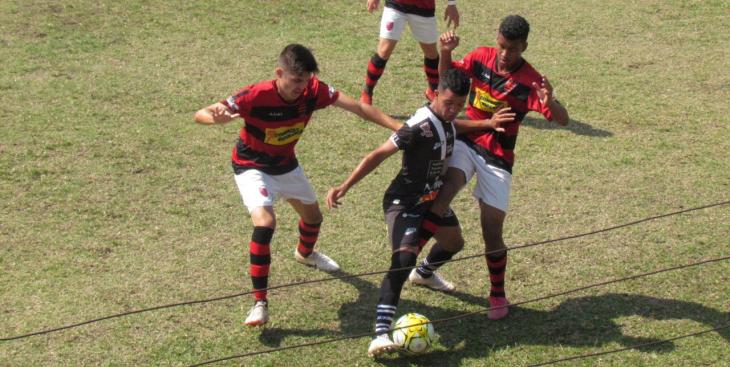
pixel 514 27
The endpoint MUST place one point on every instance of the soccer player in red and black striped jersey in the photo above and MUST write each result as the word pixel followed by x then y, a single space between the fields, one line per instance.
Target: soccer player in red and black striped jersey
pixel 420 16
pixel 505 87
pixel 275 113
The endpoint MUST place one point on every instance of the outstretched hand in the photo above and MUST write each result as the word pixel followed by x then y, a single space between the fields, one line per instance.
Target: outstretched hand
pixel 544 90
pixel 451 15
pixel 334 195
pixel 502 117
pixel 449 41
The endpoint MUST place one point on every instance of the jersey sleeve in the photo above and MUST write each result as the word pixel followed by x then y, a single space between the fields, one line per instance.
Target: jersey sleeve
pixel 405 137
pixel 240 102
pixel 326 94
pixel 534 104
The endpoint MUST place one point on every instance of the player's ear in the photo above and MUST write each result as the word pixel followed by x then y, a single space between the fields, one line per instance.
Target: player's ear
pixel 279 72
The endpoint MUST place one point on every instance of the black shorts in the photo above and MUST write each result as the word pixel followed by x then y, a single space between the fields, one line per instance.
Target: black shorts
pixel 403 223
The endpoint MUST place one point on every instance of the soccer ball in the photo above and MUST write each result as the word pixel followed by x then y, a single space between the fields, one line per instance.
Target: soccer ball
pixel 414 333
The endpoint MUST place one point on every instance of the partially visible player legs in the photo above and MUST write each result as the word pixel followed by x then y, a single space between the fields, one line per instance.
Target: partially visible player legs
pixel 376 67
pixel 492 221
pixel 264 222
pixel 449 241
pixel 453 182
pixel 390 290
pixel 309 223
pixel 430 68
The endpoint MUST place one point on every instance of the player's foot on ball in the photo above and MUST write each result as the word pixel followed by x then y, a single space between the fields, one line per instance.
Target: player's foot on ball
pixel 434 282
pixel 317 260
pixel 366 98
pixel 258 314
pixel 498 308
pixel 382 344
pixel 430 95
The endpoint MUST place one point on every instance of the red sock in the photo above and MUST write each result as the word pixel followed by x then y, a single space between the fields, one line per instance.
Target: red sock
pixel 260 254
pixel 376 67
pixel 308 234
pixel 497 265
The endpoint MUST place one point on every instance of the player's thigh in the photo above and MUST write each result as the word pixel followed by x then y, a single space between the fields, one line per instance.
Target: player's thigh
pixel 462 159
pixel 257 189
pixel 403 224
pixel 449 233
pixel 493 185
pixel 424 29
pixel 392 24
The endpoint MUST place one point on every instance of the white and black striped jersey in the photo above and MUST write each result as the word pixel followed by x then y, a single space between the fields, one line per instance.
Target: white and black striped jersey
pixel 427 142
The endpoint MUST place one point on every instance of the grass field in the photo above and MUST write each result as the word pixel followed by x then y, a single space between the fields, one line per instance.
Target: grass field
pixel 112 199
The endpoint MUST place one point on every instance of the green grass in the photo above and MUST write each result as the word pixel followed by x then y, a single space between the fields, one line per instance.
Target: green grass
pixel 112 199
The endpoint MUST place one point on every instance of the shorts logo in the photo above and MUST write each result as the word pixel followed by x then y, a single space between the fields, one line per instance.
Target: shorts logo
pixel 263 191
pixel 389 26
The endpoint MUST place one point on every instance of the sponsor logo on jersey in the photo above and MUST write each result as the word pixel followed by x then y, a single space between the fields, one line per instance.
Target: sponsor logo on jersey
pixel 484 101
pixel 284 135
pixel 426 130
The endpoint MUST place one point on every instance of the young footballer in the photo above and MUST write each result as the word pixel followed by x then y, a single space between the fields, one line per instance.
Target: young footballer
pixel 427 141
pixel 275 113
pixel 505 87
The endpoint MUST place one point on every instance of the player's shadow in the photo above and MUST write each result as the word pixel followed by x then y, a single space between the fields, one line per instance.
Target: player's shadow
pixel 579 322
pixel 574 126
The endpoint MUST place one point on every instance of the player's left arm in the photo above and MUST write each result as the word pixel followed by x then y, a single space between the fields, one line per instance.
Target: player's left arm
pixel 367 112
pixel 545 93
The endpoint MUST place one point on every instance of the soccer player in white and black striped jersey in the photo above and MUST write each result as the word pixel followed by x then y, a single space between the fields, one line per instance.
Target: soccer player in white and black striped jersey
pixel 427 141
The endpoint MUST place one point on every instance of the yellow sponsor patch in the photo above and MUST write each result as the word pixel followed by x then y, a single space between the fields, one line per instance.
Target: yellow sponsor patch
pixel 284 135
pixel 485 102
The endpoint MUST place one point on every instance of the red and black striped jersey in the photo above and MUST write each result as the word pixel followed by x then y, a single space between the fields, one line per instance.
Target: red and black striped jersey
pixel 272 126
pixel 424 8
pixel 491 91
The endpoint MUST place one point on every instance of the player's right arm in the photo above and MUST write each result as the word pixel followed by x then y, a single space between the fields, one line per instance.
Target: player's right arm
pixel 367 165
pixel 449 41
pixel 217 113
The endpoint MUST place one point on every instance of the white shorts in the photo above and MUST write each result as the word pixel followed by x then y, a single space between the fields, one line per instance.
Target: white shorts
pixel 493 183
pixel 393 22
pixel 260 189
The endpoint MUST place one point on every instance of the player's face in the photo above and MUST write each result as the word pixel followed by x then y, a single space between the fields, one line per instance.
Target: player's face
pixel 291 85
pixel 447 105
pixel 509 52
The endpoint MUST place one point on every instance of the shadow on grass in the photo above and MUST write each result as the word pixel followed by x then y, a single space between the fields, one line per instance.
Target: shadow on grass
pixel 578 322
pixel 575 126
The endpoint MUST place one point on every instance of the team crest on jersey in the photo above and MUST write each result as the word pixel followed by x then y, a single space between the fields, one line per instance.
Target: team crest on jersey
pixel 484 101
pixel 426 130
pixel 332 91
pixel 263 191
pixel 509 85
pixel 284 135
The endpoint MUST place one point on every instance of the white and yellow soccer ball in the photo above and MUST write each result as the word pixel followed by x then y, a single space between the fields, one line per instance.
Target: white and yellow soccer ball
pixel 414 333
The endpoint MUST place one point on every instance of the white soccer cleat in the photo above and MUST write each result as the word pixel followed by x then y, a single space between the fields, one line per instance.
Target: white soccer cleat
pixel 317 260
pixel 434 282
pixel 382 344
pixel 258 314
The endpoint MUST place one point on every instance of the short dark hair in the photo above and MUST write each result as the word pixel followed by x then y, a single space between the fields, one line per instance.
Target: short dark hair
pixel 514 27
pixel 298 59
pixel 455 80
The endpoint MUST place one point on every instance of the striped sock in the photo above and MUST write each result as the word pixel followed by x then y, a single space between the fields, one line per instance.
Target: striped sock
pixel 431 68
pixel 436 257
pixel 497 265
pixel 384 318
pixel 376 67
pixel 260 255
pixel 308 234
